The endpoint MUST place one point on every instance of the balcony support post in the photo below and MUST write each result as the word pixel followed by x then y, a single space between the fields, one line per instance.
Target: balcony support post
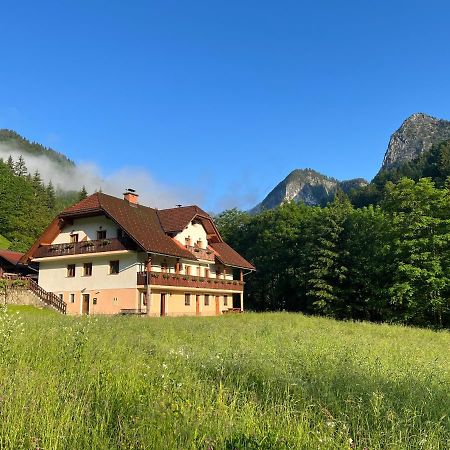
pixel 148 269
pixel 241 295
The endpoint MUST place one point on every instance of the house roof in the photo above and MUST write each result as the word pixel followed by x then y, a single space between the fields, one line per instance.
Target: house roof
pixel 176 219
pixel 148 227
pixel 230 257
pixel 11 257
pixel 140 222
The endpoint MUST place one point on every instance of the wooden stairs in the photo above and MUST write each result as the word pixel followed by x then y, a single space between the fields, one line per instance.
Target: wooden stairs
pixel 49 298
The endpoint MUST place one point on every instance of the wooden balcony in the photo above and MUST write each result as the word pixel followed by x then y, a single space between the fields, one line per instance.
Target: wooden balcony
pixel 188 281
pixel 85 247
pixel 201 253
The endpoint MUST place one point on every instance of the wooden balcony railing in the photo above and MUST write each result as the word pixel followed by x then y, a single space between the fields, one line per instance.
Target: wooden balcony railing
pixel 85 247
pixel 188 281
pixel 201 253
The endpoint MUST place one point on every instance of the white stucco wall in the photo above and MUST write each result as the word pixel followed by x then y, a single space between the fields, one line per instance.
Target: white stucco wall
pixel 195 231
pixel 87 227
pixel 53 274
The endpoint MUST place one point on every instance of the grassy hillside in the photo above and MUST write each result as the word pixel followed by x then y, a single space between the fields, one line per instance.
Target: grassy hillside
pixel 256 381
pixel 4 243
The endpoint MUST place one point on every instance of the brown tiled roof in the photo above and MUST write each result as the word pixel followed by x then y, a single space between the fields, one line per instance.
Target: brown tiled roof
pixel 176 219
pixel 11 257
pixel 139 222
pixel 91 203
pixel 226 255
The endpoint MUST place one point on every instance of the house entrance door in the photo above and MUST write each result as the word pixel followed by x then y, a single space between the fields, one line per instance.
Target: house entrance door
pixel 217 305
pixel 163 304
pixel 197 305
pixel 85 304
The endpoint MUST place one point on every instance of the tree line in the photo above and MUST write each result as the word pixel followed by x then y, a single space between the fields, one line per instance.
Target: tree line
pixel 384 262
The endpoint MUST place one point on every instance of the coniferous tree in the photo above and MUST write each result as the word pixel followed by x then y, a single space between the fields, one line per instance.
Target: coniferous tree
pixel 82 194
pixel 51 197
pixel 10 163
pixel 20 169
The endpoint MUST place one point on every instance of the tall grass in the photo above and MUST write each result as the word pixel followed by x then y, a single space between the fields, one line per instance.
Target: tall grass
pixel 252 381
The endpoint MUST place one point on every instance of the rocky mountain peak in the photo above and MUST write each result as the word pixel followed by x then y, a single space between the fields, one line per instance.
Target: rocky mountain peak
pixel 306 186
pixel 416 135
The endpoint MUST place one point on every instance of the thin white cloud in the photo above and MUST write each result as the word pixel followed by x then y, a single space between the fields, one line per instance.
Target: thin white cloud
pixel 151 192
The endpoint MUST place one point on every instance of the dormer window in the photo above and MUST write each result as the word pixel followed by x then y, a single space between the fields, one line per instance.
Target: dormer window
pixel 101 234
pixel 200 243
pixel 188 241
pixel 74 237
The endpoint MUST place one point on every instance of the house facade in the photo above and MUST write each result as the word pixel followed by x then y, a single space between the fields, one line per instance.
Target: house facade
pixel 106 255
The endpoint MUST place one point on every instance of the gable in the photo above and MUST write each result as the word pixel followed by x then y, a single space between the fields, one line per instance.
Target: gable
pixel 86 228
pixel 193 233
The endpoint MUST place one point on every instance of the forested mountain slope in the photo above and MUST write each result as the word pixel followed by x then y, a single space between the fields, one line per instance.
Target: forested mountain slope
pixel 9 139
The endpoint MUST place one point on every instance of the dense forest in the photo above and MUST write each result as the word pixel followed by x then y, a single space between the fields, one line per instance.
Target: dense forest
pixel 388 261
pixel 27 204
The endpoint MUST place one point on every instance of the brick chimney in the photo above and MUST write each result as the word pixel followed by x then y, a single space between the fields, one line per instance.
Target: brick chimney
pixel 131 196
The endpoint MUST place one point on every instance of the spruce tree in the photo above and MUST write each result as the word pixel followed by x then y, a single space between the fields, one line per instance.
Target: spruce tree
pixel 10 163
pixel 20 169
pixel 51 197
pixel 82 194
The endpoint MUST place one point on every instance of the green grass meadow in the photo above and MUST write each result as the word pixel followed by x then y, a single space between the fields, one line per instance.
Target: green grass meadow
pixel 4 243
pixel 251 381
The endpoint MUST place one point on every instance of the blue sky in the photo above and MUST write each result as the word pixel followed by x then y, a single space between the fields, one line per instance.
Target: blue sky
pixel 221 100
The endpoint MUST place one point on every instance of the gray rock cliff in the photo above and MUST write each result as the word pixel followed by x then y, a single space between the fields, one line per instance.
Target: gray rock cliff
pixel 416 135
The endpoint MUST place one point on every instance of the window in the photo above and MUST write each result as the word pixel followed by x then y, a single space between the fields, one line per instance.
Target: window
pixel 72 298
pixel 61 297
pixel 71 270
pixel 115 301
pixel 225 300
pixel 74 237
pixel 187 240
pixel 206 300
pixel 188 270
pixel 101 234
pixel 87 269
pixel 187 299
pixel 200 243
pixel 114 267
